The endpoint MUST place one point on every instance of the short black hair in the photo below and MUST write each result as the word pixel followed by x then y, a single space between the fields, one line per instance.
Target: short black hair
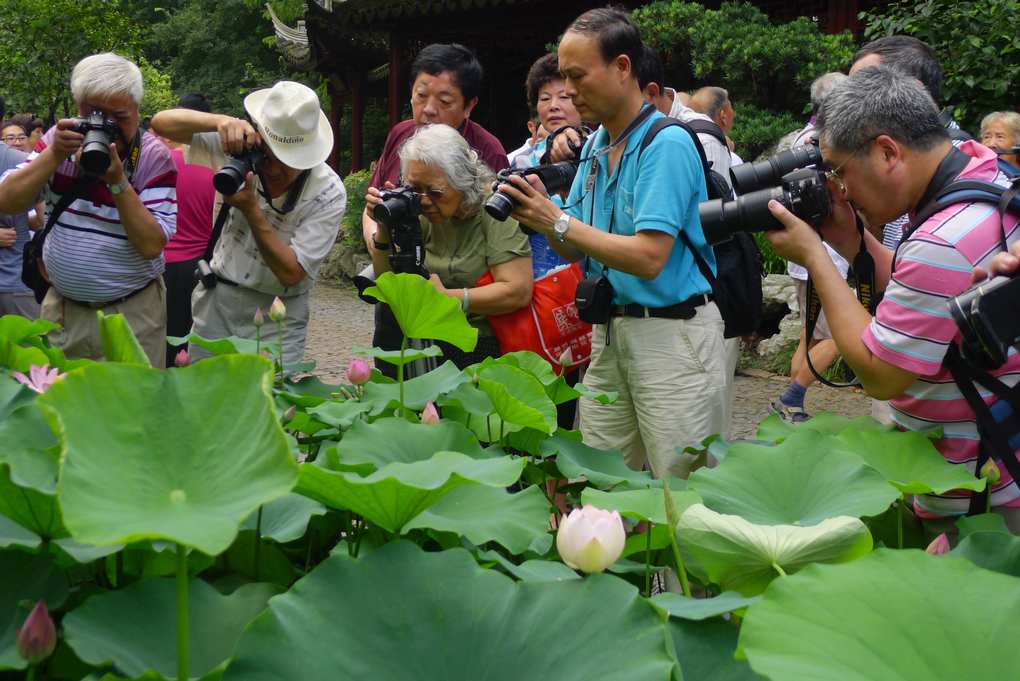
pixel 195 101
pixel 27 121
pixel 452 57
pixel 908 55
pixel 546 69
pixel 615 32
pixel 650 70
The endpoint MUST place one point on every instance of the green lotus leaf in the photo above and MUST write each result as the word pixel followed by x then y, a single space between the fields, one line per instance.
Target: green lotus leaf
pixel 706 650
pixel 231 345
pixel 909 461
pixel 134 628
pixel 417 391
pixel 13 395
pixel 983 522
pixel 285 519
pixel 422 311
pixel 530 570
pixel 736 554
pixel 518 521
pixel 451 619
pixel 992 551
pixel 19 358
pixel 13 534
pixel 31 509
pixel 468 397
pixel 394 356
pixel 30 449
pixel 702 608
pixel 642 504
pixel 119 342
pixel 518 398
pixel 399 491
pixel 126 476
pixel 340 414
pixel 395 440
pixel 18 329
pixel 307 391
pixel 603 468
pixel 531 363
pixel 25 580
pixel 775 429
pixel 802 481
pixel 860 622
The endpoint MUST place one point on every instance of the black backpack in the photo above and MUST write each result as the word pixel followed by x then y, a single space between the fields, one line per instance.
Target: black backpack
pixel 736 286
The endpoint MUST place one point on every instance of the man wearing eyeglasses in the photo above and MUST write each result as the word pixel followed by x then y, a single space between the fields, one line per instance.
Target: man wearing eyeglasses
pixel 890 154
pixel 280 226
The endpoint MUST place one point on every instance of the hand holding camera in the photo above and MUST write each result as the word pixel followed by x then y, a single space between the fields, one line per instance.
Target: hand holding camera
pixel 237 136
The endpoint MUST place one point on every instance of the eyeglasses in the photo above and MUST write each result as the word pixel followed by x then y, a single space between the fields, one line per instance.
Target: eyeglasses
pixel 835 174
pixel 14 138
pixel 433 193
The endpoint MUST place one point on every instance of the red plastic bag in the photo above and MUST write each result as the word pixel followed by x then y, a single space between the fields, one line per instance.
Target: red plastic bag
pixel 549 326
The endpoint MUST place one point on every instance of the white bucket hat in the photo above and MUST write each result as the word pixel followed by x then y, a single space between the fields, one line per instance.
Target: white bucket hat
pixel 291 123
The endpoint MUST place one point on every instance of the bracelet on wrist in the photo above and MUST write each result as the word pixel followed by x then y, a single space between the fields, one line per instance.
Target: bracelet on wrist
pixel 465 303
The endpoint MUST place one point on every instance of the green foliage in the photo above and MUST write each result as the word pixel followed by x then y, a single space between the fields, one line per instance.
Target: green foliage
pixel 756 131
pixel 356 185
pixel 772 263
pixel 977 43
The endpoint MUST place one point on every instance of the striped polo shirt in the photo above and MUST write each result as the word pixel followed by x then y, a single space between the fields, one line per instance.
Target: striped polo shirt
pixel 913 328
pixel 87 254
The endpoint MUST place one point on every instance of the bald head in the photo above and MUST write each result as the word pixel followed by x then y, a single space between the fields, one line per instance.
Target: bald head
pixel 714 102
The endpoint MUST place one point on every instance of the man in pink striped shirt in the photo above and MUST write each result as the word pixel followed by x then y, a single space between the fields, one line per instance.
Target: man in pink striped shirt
pixel 105 251
pixel 889 154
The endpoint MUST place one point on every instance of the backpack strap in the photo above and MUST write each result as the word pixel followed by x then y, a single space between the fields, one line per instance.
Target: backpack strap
pixel 703 127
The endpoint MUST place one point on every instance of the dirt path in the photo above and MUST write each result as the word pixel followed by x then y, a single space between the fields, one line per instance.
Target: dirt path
pixel 341 321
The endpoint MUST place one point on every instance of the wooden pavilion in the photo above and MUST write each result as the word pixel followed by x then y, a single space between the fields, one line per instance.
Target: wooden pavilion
pixel 365 47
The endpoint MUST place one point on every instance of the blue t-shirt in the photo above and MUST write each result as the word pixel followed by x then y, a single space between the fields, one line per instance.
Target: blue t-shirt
pixel 10 257
pixel 660 191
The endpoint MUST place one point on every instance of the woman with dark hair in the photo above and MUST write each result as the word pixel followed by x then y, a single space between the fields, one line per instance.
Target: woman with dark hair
pixel 547 96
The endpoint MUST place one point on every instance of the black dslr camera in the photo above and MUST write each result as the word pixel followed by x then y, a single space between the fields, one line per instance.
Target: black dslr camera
pixel 988 316
pixel 229 179
pixel 399 211
pixel 100 132
pixel 801 189
pixel 556 177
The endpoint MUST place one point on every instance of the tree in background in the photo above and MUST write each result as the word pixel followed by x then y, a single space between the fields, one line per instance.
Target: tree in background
pixel 978 44
pixel 767 67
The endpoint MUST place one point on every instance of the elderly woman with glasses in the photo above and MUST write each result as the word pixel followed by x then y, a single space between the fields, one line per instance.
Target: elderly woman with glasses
pixel 462 241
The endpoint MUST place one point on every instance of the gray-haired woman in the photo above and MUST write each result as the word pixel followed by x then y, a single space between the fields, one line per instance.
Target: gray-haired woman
pixel 462 242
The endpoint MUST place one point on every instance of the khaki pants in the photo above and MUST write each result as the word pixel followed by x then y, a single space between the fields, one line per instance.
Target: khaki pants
pixel 671 378
pixel 145 313
pixel 19 303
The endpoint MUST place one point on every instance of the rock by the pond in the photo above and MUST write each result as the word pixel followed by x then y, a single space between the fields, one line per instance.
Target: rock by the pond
pixel 779 292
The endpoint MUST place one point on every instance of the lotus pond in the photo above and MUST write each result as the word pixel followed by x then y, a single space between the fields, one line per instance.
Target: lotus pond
pixel 223 520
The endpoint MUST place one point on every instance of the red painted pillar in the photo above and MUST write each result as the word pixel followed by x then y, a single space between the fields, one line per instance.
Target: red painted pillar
pixel 336 113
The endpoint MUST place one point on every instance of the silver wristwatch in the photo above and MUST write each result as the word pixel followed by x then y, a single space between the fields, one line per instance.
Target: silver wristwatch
pixel 561 227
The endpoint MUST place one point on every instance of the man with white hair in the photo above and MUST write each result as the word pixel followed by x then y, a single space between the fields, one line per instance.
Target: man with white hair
pixel 105 250
pixel 280 225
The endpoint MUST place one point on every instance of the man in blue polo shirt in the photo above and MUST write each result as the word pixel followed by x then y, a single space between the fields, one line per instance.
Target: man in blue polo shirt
pixel 662 348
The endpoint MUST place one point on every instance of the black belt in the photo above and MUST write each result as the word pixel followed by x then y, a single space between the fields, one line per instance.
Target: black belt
pixel 682 310
pixel 226 281
pixel 107 303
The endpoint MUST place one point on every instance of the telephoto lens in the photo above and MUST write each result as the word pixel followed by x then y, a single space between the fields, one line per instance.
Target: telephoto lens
pixel 749 177
pixel 229 179
pixel 99 133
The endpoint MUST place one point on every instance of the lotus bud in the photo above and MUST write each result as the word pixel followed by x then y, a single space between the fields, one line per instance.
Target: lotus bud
pixel 358 371
pixel 429 415
pixel 277 311
pixel 567 358
pixel 288 415
pixel 38 635
pixel 181 358
pixel 939 545
pixel 590 539
pixel 990 472
pixel 260 318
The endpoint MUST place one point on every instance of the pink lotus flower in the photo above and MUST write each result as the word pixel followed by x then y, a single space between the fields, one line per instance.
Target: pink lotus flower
pixel 358 371
pixel 39 378
pixel 939 545
pixel 38 635
pixel 590 539
pixel 277 311
pixel 990 472
pixel 260 318
pixel 181 359
pixel 429 415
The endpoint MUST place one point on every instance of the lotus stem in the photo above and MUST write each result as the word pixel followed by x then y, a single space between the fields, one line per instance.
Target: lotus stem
pixel 899 523
pixel 279 336
pixel 31 673
pixel 182 613
pixel 680 569
pixel 400 374
pixel 258 340
pixel 648 560
pixel 778 569
pixel 258 543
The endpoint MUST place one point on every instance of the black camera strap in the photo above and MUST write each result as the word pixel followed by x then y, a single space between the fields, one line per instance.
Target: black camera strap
pixel 293 194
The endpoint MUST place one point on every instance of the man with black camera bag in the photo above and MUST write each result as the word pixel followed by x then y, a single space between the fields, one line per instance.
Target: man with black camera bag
pixel 890 154
pixel 632 217
pixel 111 190
pixel 283 203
